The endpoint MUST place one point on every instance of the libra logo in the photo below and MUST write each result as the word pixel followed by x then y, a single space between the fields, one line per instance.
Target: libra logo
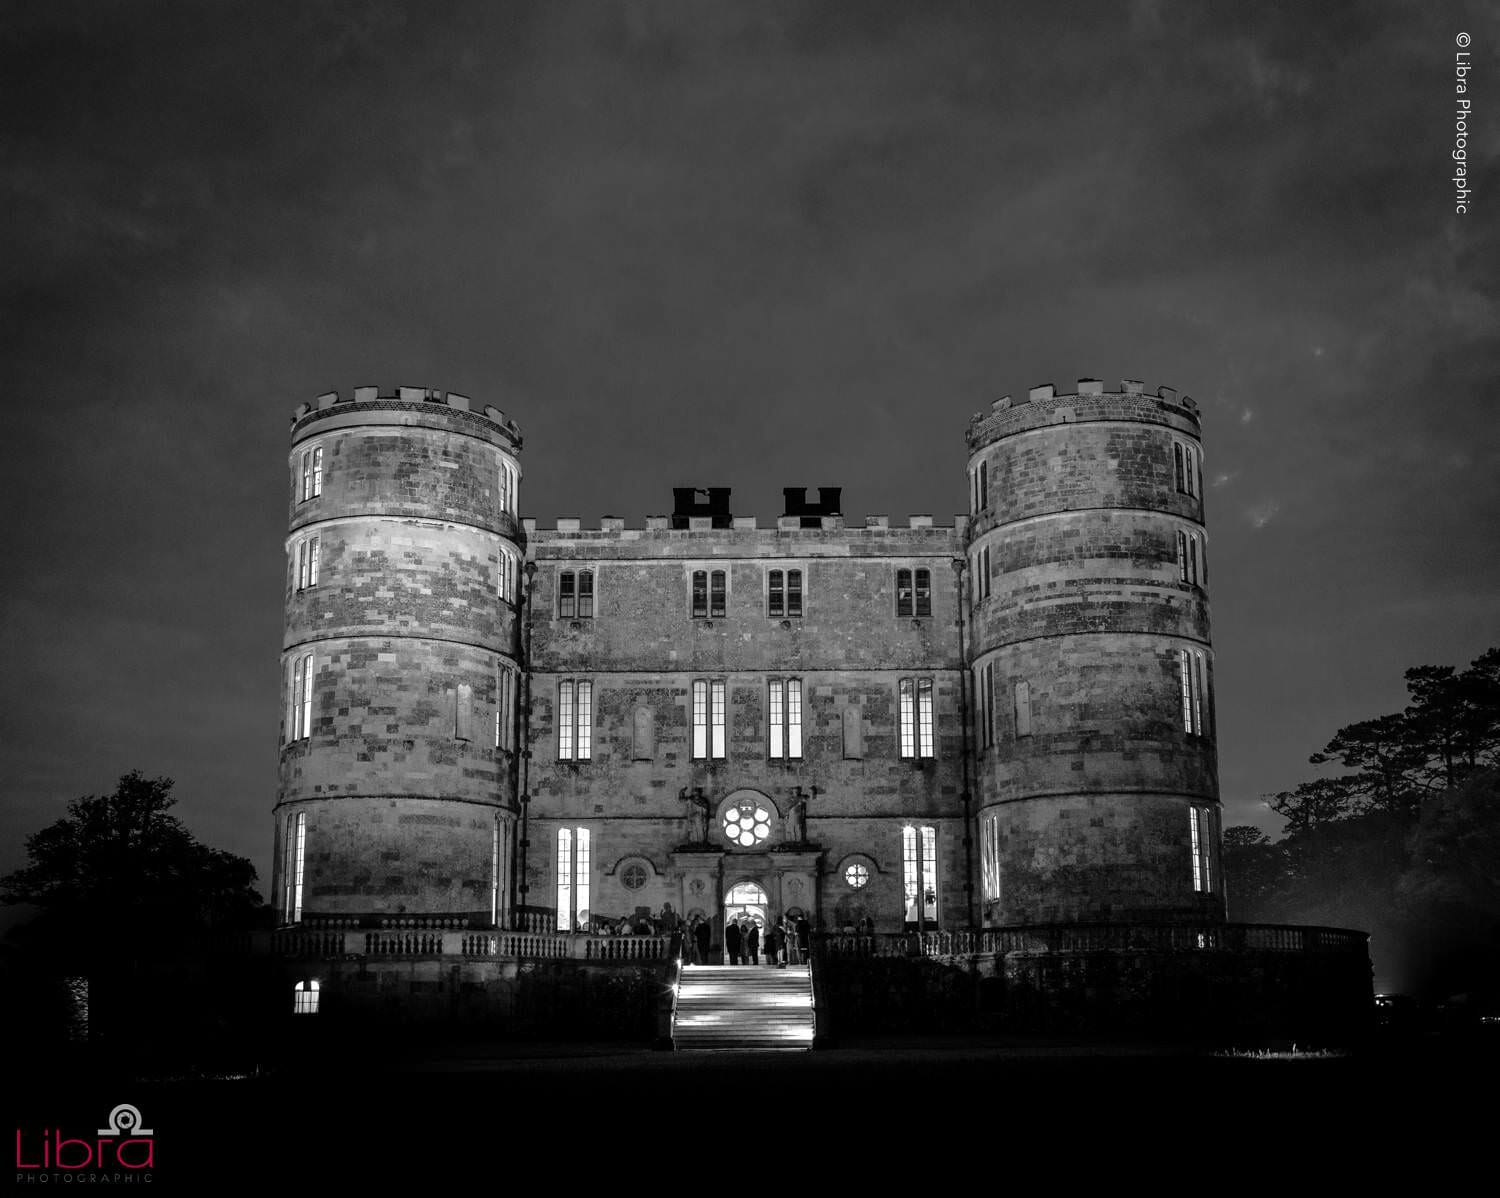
pixel 122 1151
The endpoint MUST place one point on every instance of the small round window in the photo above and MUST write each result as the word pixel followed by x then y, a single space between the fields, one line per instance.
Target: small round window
pixel 857 875
pixel 633 877
pixel 747 823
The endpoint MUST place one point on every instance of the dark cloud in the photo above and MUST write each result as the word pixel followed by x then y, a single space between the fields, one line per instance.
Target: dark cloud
pixel 757 245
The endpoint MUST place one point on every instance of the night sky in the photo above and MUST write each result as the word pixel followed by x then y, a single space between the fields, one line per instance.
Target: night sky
pixel 750 245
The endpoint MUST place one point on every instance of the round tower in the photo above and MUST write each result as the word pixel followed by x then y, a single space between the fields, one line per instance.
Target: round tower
pixel 1092 666
pixel 399 661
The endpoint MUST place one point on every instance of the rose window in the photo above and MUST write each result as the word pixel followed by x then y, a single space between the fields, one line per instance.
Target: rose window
pixel 634 876
pixel 856 875
pixel 747 823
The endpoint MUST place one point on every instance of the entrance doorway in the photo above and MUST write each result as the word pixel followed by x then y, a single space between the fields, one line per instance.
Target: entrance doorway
pixel 746 904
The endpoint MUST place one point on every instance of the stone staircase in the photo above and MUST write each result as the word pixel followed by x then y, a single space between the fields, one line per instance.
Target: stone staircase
pixel 743 1007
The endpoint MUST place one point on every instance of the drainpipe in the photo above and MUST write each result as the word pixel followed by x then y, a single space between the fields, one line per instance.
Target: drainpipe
pixel 523 746
pixel 963 704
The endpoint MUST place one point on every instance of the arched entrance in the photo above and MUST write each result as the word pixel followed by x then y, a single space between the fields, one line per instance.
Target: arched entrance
pixel 747 904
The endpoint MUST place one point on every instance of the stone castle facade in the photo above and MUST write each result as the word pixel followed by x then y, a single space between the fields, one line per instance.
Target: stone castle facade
pixel 998 722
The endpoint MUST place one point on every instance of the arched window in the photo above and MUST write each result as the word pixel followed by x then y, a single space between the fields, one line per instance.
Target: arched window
pixel 305 998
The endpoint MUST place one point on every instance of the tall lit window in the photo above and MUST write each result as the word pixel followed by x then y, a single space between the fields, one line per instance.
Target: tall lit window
pixel 1200 830
pixel 915 710
pixel 495 873
pixel 305 998
pixel 575 595
pixel 784 593
pixel 786 717
pixel 989 842
pixel 1192 565
pixel 575 720
pixel 708 719
pixel 507 578
pixel 572 879
pixel 919 860
pixel 1192 668
pixel 293 854
pixel 299 707
pixel 508 489
pixel 913 592
pixel 312 473
pixel 1187 467
pixel 307 563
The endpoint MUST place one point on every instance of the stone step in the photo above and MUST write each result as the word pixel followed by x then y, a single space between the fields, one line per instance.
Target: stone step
pixel 744 1007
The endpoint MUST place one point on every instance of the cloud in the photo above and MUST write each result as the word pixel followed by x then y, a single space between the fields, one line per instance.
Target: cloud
pixel 1262 514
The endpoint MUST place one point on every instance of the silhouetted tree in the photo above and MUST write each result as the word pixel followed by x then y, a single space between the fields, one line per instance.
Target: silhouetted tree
pixel 122 859
pixel 1403 843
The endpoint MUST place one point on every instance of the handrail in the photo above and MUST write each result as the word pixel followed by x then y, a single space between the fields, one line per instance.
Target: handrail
pixel 676 985
pixel 1098 937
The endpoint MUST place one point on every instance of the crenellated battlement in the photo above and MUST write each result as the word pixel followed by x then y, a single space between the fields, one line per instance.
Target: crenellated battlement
pixel 422 400
pixel 1045 405
pixel 781 525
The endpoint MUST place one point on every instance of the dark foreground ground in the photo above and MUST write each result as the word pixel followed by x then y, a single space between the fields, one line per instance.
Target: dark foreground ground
pixel 986 1111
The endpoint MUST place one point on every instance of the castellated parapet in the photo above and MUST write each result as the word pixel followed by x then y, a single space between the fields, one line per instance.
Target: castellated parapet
pixel 400 658
pixel 1091 651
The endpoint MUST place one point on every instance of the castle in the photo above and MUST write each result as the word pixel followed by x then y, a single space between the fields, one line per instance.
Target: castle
pixel 1003 721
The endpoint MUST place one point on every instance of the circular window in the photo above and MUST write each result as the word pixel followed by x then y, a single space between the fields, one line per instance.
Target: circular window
pixel 856 875
pixel 633 877
pixel 747 823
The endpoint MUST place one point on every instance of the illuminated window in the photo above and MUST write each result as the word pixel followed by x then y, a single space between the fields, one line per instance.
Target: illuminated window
pixel 305 998
pixel 508 489
pixel 495 873
pixel 784 593
pixel 293 854
pixel 857 876
pixel 572 879
pixel 1192 669
pixel 746 823
pixel 312 473
pixel 575 595
pixel 575 720
pixel 786 718
pixel 708 719
pixel 307 563
pixel 299 706
pixel 915 709
pixel 919 860
pixel 913 592
pixel 508 574
pixel 1187 467
pixel 1200 830
pixel 989 842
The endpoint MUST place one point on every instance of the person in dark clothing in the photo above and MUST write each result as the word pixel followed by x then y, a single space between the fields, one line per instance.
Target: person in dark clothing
pixel 732 941
pixel 752 944
pixel 702 935
pixel 776 946
pixel 804 937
